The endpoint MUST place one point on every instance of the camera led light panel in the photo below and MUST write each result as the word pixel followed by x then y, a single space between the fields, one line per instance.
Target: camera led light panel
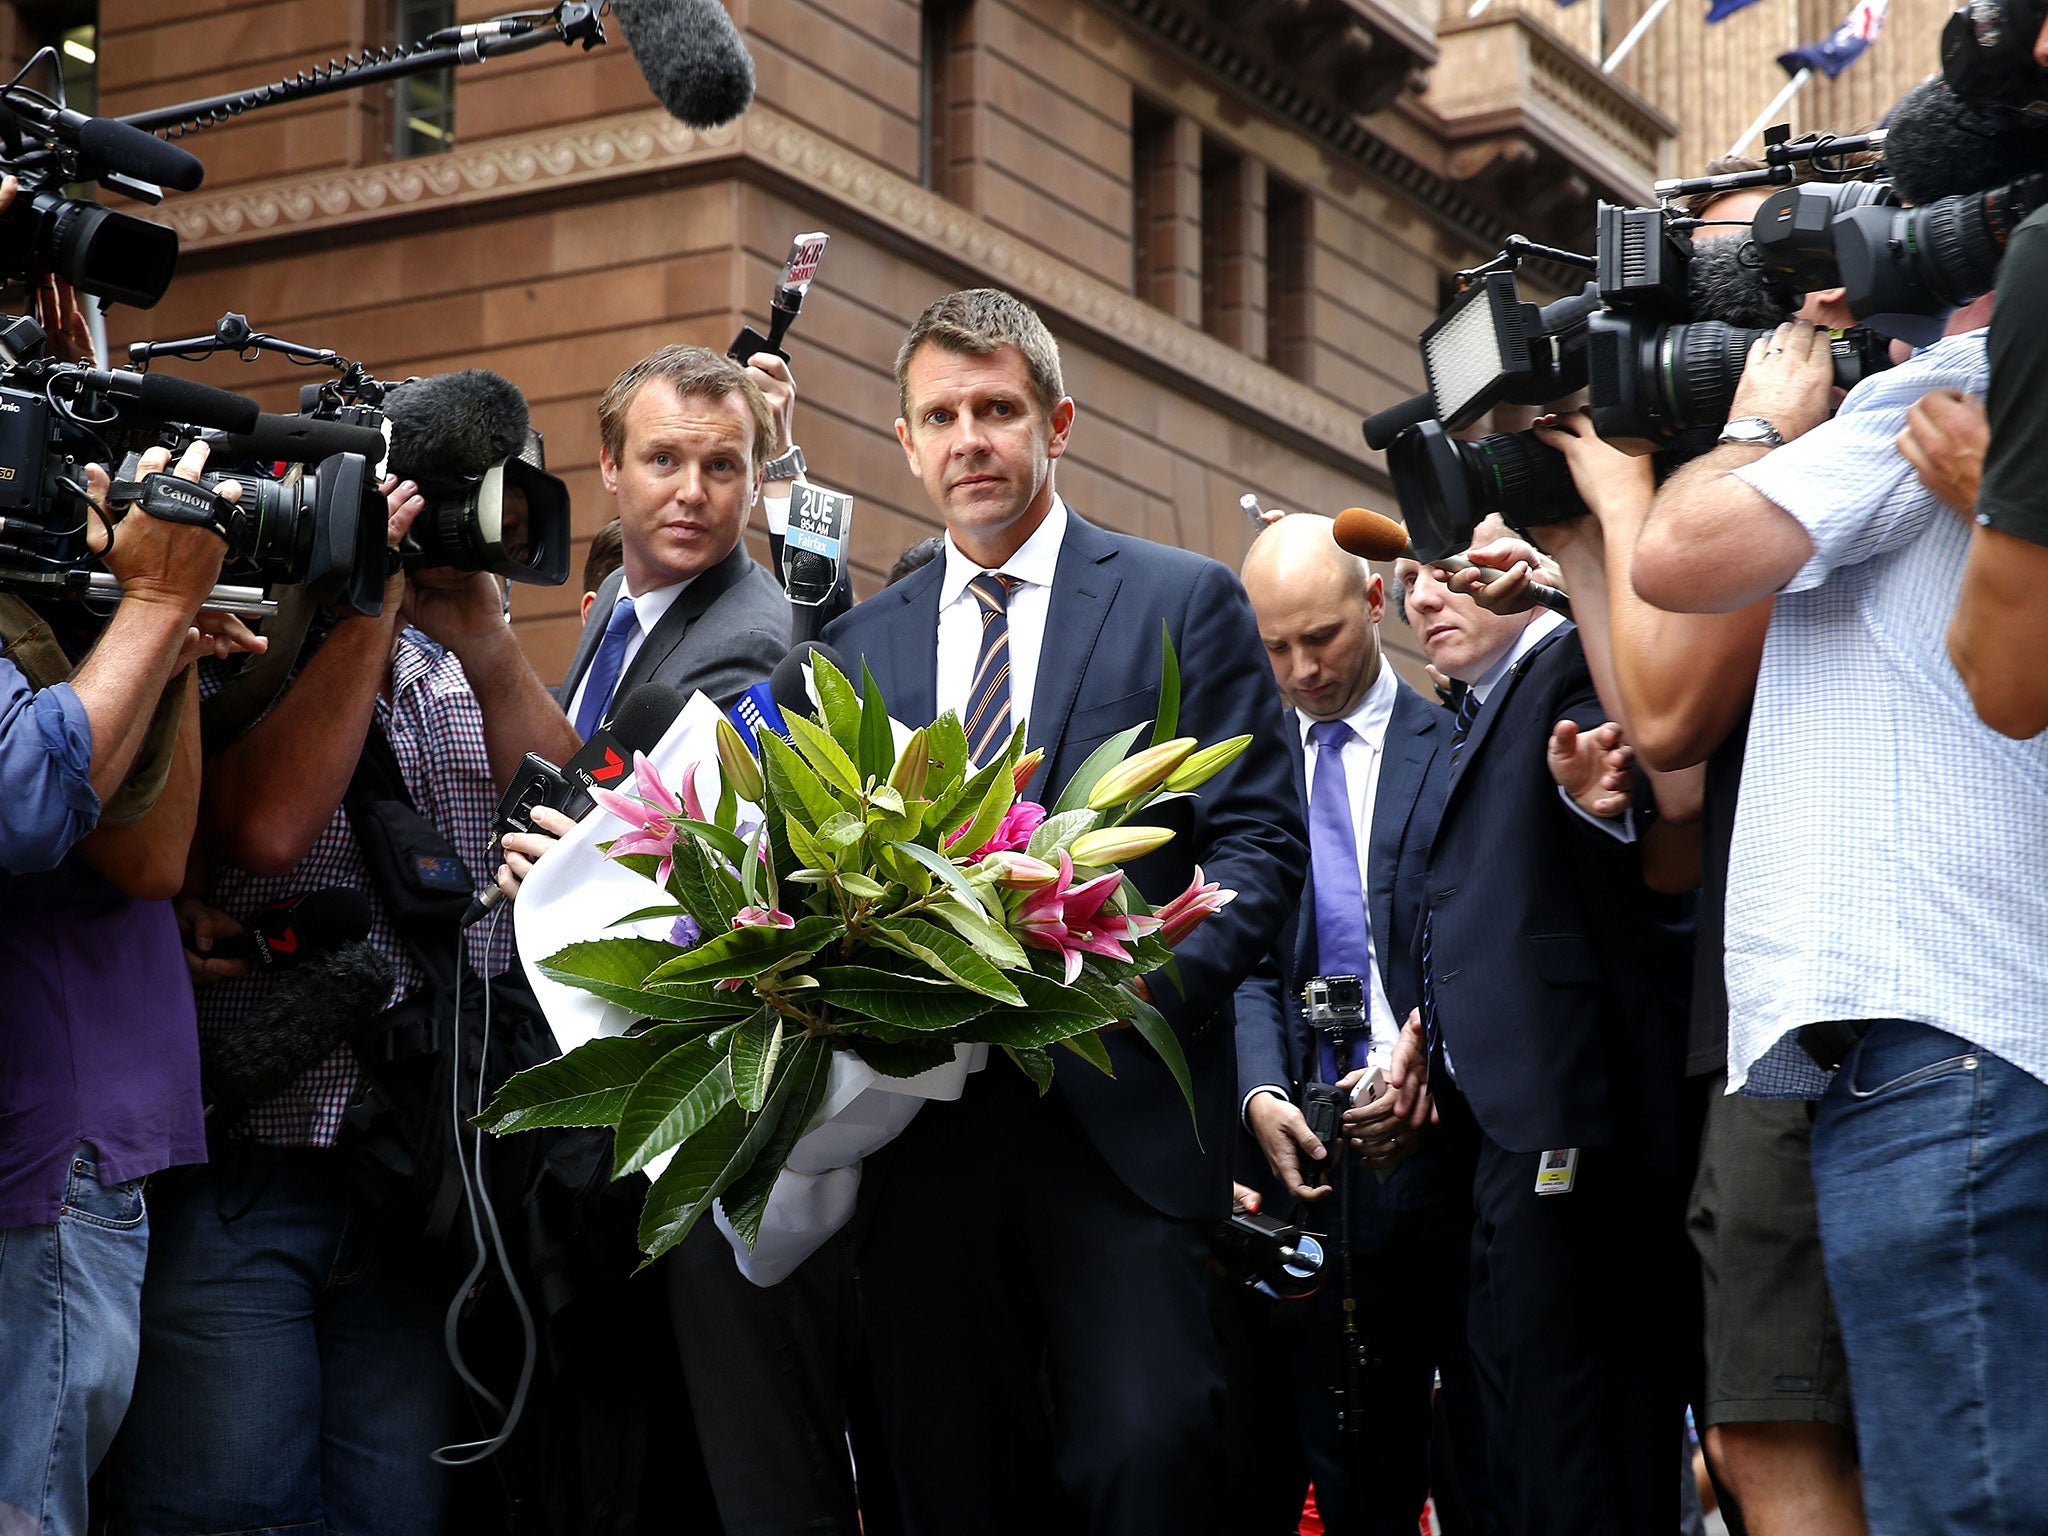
pixel 1475 350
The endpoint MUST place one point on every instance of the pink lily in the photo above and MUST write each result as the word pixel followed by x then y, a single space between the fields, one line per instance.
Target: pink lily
pixel 1012 833
pixel 1070 920
pixel 762 917
pixel 652 814
pixel 1192 907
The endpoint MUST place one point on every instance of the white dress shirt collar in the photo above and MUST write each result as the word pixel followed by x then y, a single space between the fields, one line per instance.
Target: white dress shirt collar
pixel 1370 717
pixel 651 607
pixel 1034 562
pixel 1532 633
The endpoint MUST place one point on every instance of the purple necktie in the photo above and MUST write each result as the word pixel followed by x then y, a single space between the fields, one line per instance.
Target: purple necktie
pixel 603 678
pixel 1343 942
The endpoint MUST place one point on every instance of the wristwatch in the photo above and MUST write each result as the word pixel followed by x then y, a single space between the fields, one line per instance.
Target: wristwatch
pixel 785 466
pixel 1754 431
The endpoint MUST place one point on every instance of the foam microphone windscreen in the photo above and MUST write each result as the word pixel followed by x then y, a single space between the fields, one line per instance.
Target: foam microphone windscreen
pixel 454 425
pixel 1728 283
pixel 692 57
pixel 298 440
pixel 786 682
pixel 644 716
pixel 133 152
pixel 295 1025
pixel 1370 535
pixel 170 398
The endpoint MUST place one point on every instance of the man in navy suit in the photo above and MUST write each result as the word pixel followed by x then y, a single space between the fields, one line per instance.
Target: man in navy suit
pixel 1555 1059
pixel 1015 1239
pixel 1366 751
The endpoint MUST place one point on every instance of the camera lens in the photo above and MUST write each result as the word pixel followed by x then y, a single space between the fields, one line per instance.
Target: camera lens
pixel 1447 488
pixel 1698 369
pixel 110 255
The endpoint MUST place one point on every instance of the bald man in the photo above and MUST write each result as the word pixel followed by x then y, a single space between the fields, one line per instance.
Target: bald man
pixel 1370 759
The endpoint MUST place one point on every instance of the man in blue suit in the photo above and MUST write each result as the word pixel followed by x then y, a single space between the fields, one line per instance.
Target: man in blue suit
pixel 1368 754
pixel 1015 1239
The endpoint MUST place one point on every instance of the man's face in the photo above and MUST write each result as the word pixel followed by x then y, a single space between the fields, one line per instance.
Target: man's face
pixel 982 446
pixel 1322 637
pixel 1459 638
pixel 685 478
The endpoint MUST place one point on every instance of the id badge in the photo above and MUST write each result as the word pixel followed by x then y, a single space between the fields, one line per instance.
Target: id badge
pixel 1557 1170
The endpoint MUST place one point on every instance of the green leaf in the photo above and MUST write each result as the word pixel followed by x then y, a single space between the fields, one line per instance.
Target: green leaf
pixel 748 952
pixel 817 748
pixel 676 1097
pixel 839 704
pixel 888 799
pixel 993 940
pixel 862 888
pixel 1059 830
pixel 707 887
pixel 1089 1047
pixel 844 830
pixel 877 753
pixel 589 969
pixel 647 914
pixel 946 741
pixel 1100 761
pixel 795 788
pixel 944 868
pixel 903 1058
pixel 755 1047
pixel 808 847
pixel 801 1089
pixel 727 811
pixel 1036 1064
pixel 1167 726
pixel 954 958
pixel 1000 795
pixel 586 1087
pixel 1151 1023
pixel 1050 1014
pixel 722 839
pixel 904 870
pixel 723 1149
pixel 903 1001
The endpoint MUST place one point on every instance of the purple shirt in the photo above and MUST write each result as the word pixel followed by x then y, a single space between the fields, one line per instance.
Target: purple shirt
pixel 98 1040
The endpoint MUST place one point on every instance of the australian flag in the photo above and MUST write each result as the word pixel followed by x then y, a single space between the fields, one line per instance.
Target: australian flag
pixel 1721 10
pixel 1844 46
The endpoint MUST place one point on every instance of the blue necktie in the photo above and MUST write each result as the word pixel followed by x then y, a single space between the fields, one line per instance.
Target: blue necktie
pixel 1468 711
pixel 988 700
pixel 603 677
pixel 1343 942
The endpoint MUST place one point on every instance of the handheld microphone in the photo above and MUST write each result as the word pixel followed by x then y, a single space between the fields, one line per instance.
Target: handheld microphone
pixel 296 1025
pixel 691 56
pixel 297 929
pixel 1375 536
pixel 1382 428
pixel 641 720
pixel 798 272
pixel 782 692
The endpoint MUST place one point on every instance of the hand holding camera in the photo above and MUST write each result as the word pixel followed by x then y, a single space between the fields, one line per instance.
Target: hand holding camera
pixel 1788 380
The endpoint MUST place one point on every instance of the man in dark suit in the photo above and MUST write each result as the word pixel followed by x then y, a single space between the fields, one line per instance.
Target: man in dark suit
pixel 1014 1238
pixel 1366 749
pixel 1555 1060
pixel 686 434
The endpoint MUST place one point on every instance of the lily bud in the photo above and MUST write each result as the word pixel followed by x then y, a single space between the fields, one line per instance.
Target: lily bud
pixel 913 766
pixel 1027 765
pixel 741 771
pixel 1204 765
pixel 1106 846
pixel 1019 871
pixel 1139 775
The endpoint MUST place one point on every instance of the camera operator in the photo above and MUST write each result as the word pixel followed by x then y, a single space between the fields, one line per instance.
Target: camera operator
pixel 1367 748
pixel 101 1077
pixel 284 1275
pixel 1852 916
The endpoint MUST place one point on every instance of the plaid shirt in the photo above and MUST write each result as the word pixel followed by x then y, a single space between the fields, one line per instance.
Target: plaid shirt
pixel 436 729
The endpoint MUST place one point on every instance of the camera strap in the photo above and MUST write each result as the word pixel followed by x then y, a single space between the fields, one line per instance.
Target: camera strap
pixel 173 500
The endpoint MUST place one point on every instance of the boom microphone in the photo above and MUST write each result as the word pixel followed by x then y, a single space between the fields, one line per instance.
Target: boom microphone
pixel 296 1025
pixel 692 58
pixel 454 425
pixel 170 398
pixel 117 145
pixel 302 928
pixel 1375 536
pixel 641 720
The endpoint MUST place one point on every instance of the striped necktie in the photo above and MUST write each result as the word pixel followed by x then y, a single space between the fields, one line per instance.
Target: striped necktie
pixel 988 700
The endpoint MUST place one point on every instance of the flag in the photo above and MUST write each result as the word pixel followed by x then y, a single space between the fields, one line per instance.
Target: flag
pixel 1844 46
pixel 1721 10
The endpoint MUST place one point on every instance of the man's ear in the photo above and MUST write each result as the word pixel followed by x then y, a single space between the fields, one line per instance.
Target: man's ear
pixel 1062 426
pixel 608 467
pixel 2041 46
pixel 903 437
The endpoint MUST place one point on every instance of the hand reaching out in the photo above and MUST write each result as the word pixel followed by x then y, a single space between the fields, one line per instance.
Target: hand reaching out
pixel 1944 440
pixel 1596 768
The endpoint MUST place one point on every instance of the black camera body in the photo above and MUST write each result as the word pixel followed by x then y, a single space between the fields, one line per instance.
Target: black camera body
pixel 1268 1255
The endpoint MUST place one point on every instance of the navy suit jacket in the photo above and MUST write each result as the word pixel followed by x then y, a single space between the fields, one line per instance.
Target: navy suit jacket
pixel 1098 673
pixel 1274 1042
pixel 1550 966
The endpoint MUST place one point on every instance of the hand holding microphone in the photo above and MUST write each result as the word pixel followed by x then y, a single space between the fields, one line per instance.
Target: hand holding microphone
pixel 1374 536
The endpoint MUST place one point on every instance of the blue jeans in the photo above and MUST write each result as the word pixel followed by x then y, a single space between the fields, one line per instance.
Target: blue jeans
pixel 1930 1161
pixel 70 1299
pixel 292 1376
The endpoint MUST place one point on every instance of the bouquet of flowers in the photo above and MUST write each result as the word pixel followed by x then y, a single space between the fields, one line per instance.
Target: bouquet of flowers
pixel 847 895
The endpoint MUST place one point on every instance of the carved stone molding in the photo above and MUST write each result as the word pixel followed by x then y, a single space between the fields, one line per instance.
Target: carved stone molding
pixel 767 145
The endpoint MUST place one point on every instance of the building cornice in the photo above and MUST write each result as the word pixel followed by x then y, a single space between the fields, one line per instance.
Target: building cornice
pixel 766 145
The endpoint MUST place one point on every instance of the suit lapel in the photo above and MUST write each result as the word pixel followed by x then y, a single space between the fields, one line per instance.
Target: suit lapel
pixel 912 660
pixel 1412 742
pixel 593 632
pixel 1083 587
pixel 668 633
pixel 1495 706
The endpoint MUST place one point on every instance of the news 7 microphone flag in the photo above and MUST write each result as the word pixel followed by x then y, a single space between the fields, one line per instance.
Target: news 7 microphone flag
pixel 1844 46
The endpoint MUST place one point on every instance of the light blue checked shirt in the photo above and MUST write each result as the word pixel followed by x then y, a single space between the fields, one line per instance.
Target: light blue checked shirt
pixel 1891 851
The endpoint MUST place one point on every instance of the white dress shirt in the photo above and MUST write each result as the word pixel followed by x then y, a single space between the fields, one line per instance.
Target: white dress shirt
pixel 959 637
pixel 648 609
